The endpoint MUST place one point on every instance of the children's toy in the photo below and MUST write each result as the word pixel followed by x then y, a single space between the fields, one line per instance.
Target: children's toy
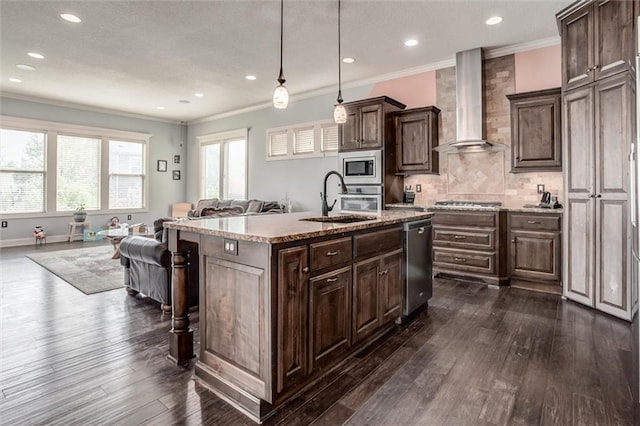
pixel 40 235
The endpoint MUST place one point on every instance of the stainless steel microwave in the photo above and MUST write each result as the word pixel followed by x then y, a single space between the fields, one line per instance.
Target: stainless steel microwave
pixel 361 167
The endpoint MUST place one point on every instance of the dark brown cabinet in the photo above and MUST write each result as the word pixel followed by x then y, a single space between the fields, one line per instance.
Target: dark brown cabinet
pixel 330 317
pixel 535 251
pixel 366 298
pixel 390 286
pixel 416 134
pixel 470 244
pixel 293 299
pixel 536 136
pixel 597 40
pixel 368 124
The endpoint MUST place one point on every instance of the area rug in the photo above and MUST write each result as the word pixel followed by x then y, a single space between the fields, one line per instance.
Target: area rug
pixel 90 270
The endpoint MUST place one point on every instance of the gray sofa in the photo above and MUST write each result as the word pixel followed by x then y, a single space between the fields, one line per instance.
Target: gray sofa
pixel 147 267
pixel 221 208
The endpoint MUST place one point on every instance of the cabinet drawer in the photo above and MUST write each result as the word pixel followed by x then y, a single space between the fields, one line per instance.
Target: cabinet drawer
pixel 463 260
pixel 536 222
pixel 378 242
pixel 453 218
pixel 467 238
pixel 329 253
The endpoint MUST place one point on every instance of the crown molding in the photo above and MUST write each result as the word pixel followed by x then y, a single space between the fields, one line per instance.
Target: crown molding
pixel 84 107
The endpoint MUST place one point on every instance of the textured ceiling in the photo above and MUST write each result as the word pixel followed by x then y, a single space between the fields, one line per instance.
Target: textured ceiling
pixel 132 56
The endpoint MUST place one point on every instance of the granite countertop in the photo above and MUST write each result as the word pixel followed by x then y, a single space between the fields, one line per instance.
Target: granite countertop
pixel 280 228
pixel 521 209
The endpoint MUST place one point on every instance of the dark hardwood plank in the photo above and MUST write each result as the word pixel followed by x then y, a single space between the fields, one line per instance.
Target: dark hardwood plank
pixel 477 356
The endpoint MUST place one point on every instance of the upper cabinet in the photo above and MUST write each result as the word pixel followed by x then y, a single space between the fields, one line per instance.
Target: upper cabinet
pixel 536 137
pixel 416 136
pixel 368 124
pixel 597 40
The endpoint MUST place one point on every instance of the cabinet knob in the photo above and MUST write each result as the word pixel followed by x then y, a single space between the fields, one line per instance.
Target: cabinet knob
pixel 595 67
pixel 305 269
pixel 599 196
pixel 513 241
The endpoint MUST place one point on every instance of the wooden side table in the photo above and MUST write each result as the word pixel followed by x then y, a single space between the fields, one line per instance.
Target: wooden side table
pixel 72 228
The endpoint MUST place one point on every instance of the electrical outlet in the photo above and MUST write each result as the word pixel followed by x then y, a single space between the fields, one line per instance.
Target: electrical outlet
pixel 129 217
pixel 418 188
pixel 540 188
pixel 230 247
pixel 5 223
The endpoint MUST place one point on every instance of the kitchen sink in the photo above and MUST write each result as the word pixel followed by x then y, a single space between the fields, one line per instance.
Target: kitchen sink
pixel 339 219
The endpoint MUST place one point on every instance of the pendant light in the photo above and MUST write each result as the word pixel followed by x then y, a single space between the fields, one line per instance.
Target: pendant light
pixel 339 112
pixel 281 95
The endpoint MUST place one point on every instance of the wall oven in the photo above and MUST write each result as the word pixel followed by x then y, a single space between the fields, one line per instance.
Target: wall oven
pixel 362 199
pixel 361 167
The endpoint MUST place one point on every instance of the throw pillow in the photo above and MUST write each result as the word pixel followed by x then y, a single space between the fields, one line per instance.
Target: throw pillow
pixel 255 206
pixel 271 206
pixel 206 203
pixel 224 203
pixel 241 203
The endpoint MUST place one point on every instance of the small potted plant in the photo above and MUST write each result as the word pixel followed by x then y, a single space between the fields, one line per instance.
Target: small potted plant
pixel 80 214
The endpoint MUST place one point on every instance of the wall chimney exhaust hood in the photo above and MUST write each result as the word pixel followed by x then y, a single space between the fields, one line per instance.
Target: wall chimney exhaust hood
pixel 469 107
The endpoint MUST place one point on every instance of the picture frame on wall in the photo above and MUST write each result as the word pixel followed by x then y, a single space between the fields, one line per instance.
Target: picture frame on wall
pixel 176 159
pixel 176 175
pixel 162 165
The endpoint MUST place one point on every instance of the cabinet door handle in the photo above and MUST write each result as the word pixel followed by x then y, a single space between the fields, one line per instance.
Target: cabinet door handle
pixel 513 241
pixel 533 222
pixel 591 195
pixel 333 253
pixel 332 280
pixel 595 67
pixel 599 196
pixel 460 259
pixel 305 269
pixel 459 237
pixel 420 230
pixel 381 273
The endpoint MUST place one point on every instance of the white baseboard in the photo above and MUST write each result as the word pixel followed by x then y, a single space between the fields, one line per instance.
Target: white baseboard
pixel 31 241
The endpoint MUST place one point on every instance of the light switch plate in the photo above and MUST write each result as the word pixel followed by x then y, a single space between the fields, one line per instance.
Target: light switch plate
pixel 418 188
pixel 540 188
pixel 230 247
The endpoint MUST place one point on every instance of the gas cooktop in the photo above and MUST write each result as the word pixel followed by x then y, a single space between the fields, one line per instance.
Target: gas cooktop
pixel 461 203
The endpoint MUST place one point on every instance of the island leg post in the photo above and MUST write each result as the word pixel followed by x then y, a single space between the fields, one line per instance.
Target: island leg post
pixel 181 335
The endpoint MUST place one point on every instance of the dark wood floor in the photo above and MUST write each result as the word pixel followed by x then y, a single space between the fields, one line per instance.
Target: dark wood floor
pixel 478 357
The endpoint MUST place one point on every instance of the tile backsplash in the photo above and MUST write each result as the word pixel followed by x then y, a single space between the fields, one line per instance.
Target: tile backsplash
pixel 485 175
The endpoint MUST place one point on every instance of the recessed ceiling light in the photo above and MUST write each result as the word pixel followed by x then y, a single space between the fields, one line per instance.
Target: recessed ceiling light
pixel 35 55
pixel 160 107
pixel 15 80
pixel 70 17
pixel 494 20
pixel 411 43
pixel 250 77
pixel 348 60
pixel 25 67
pixel 198 95
pixel 184 101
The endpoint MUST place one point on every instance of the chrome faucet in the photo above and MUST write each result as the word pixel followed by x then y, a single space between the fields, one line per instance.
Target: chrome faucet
pixel 323 195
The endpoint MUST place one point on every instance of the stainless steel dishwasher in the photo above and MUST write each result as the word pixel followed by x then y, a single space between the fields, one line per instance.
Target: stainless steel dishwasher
pixel 418 287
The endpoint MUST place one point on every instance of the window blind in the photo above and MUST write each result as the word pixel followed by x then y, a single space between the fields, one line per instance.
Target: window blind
pixel 277 143
pixel 303 141
pixel 329 138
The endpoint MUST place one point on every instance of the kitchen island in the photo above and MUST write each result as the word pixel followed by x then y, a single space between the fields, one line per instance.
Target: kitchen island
pixel 283 299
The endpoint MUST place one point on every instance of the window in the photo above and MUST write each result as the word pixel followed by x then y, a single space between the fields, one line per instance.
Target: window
pixel 78 178
pixel 223 167
pixel 303 141
pixel 126 175
pixel 49 168
pixel 22 171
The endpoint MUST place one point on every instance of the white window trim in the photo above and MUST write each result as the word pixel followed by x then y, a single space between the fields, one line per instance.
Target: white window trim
pixel 317 141
pixel 220 138
pixel 52 129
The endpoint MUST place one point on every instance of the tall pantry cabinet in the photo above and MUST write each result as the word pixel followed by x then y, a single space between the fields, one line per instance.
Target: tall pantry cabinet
pixel 598 100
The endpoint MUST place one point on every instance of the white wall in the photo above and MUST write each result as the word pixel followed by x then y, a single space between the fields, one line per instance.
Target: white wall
pixel 270 180
pixel 167 140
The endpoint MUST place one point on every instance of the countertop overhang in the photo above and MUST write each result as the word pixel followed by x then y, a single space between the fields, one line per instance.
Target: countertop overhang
pixel 282 228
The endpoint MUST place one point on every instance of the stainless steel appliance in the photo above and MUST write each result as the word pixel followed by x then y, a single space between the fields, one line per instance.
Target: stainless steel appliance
pixel 362 199
pixel 468 203
pixel 362 167
pixel 418 272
